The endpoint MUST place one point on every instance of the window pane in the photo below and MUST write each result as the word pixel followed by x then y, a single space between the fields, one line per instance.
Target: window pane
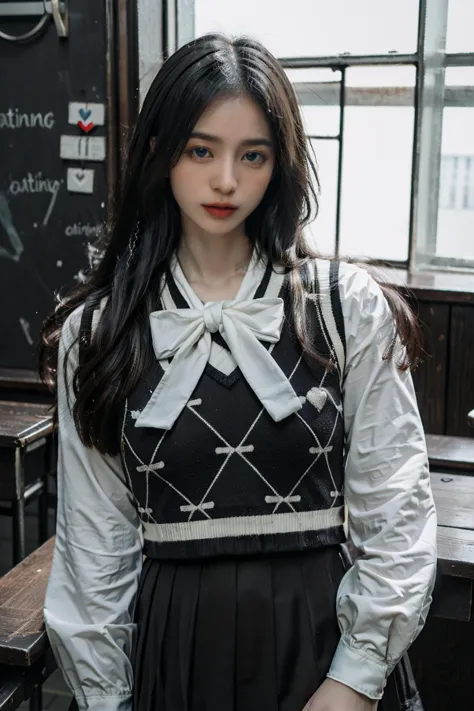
pixel 315 27
pixel 455 234
pixel 377 164
pixel 384 77
pixel 149 50
pixel 318 92
pixel 460 37
pixel 321 233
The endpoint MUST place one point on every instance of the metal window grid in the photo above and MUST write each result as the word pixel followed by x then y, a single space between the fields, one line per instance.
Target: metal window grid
pixel 430 61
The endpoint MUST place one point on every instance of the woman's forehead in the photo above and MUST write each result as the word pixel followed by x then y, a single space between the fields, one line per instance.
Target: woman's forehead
pixel 237 119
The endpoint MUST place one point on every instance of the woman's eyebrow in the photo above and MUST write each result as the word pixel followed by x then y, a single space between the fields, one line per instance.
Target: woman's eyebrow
pixel 247 142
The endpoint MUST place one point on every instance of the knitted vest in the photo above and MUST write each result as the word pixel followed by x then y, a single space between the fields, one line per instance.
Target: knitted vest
pixel 227 479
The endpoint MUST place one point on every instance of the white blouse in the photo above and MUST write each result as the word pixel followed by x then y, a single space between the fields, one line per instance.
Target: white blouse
pixel 383 600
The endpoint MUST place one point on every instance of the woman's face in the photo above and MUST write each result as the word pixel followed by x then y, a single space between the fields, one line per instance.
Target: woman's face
pixel 228 160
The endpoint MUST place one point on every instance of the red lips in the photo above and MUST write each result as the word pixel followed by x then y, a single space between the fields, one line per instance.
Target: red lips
pixel 220 210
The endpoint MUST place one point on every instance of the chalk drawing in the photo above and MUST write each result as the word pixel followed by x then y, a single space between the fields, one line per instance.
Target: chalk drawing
pixel 14 119
pixel 36 183
pixel 79 229
pixel 25 325
pixel 80 181
pixel 87 112
pixel 81 148
pixel 6 220
pixel 49 211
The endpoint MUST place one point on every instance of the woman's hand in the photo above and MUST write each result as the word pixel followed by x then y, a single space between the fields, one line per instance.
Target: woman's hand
pixel 334 696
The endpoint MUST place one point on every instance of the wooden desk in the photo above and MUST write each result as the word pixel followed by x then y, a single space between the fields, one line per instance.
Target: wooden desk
pixel 22 684
pixel 446 453
pixel 19 385
pixel 26 432
pixel 454 499
pixel 25 655
pixel 14 378
pixel 26 659
pixel 23 639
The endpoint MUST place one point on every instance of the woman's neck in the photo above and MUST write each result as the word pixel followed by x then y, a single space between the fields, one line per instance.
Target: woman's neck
pixel 215 266
pixel 214 259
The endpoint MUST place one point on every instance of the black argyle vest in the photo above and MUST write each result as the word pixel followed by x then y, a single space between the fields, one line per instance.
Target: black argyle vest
pixel 227 479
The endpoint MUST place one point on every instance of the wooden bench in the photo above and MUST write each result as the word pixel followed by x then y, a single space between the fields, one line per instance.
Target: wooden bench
pixel 26 660
pixel 19 378
pixel 447 453
pixel 454 497
pixel 23 385
pixel 26 459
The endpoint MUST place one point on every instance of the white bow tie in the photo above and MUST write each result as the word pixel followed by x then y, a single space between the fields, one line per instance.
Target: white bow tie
pixel 186 335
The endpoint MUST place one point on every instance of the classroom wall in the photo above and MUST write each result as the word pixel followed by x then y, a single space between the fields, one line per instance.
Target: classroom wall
pixel 53 172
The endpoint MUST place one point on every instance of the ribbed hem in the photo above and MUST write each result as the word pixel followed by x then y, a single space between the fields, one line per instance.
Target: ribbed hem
pixel 244 545
pixel 238 526
pixel 105 703
pixel 359 671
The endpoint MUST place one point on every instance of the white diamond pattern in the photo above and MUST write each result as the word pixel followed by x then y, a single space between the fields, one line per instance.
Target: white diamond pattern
pixel 241 449
pixel 152 468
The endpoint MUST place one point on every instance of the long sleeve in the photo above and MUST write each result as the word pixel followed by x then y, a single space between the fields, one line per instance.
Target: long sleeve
pixel 96 564
pixel 383 600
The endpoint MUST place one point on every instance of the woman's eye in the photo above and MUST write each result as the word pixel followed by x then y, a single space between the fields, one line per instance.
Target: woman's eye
pixel 199 152
pixel 254 157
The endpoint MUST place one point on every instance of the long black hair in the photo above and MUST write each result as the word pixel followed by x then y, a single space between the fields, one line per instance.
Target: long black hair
pixel 198 73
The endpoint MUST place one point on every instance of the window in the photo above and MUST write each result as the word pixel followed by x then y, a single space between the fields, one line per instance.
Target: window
pixel 306 28
pixel 377 162
pixel 318 91
pixel 388 104
pixel 455 225
pixel 457 183
pixel 460 24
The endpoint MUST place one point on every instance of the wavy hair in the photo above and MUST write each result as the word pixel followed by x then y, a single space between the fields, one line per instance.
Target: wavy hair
pixel 197 74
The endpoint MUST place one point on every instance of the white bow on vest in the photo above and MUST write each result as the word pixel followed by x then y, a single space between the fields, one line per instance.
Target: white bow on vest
pixel 186 335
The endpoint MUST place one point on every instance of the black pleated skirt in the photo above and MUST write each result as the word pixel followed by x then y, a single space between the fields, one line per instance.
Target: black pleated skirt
pixel 253 633
pixel 235 634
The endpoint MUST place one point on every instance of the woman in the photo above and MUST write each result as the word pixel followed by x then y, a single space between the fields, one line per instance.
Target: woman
pixel 223 397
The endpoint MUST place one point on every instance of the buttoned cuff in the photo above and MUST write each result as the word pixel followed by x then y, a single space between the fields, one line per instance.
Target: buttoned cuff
pixel 358 670
pixel 105 702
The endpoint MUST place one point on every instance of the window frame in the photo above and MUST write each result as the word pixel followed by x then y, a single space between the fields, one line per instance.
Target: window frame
pixel 430 61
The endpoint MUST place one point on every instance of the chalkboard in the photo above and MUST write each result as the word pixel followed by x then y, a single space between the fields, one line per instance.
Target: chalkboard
pixel 45 228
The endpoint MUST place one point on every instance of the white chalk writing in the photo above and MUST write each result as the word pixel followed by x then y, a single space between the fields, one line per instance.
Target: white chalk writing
pixel 50 209
pixel 15 248
pixel 82 230
pixel 13 119
pixel 36 183
pixel 25 325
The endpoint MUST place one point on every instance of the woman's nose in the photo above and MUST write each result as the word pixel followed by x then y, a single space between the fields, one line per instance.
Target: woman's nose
pixel 224 179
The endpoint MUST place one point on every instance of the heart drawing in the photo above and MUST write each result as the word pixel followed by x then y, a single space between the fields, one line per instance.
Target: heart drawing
pixel 84 114
pixel 86 127
pixel 317 397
